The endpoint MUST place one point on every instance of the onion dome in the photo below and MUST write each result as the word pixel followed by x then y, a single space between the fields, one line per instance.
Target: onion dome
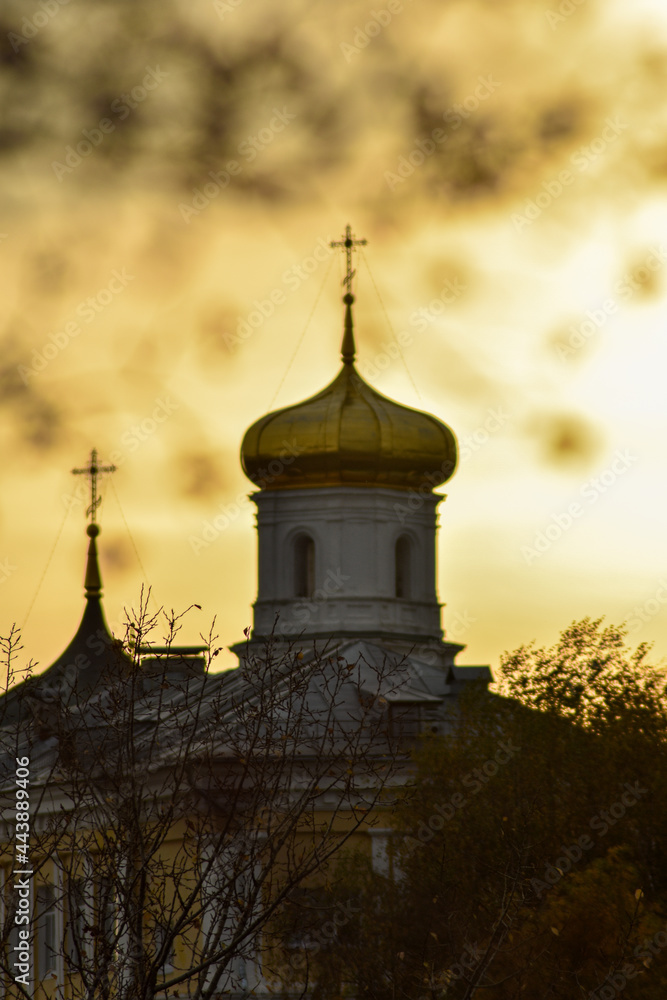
pixel 348 435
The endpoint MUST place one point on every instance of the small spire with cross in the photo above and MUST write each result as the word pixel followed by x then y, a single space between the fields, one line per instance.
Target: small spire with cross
pixel 93 470
pixel 93 580
pixel 348 244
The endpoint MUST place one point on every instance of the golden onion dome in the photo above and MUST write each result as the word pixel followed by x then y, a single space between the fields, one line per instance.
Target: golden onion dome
pixel 348 435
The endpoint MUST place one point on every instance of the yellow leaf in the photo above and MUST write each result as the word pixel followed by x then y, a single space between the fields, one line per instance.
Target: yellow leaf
pixel 638 894
pixel 554 930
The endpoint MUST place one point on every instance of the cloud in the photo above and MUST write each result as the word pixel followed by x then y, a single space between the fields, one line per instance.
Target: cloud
pixel 199 474
pixel 565 440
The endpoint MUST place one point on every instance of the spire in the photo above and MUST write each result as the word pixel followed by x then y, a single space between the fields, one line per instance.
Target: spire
pixel 94 657
pixel 348 349
pixel 93 580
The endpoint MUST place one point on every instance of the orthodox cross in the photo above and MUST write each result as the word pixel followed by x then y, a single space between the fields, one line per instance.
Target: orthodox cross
pixel 93 470
pixel 348 244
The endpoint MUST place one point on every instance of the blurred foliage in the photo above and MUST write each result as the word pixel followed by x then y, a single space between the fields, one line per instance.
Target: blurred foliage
pixel 540 875
pixel 227 66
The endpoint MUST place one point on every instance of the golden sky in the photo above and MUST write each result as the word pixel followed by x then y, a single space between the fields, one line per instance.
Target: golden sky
pixel 167 167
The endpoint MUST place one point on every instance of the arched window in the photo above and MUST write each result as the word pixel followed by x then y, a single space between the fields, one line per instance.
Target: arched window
pixel 304 566
pixel 403 567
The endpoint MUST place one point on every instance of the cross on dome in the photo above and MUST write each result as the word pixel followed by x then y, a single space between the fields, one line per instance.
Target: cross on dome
pixel 93 470
pixel 348 349
pixel 348 244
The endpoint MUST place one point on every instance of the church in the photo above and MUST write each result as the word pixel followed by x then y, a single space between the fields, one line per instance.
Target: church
pixel 347 528
pixel 346 626
pixel 346 535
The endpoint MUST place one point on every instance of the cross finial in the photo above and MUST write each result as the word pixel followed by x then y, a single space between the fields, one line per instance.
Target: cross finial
pixel 348 244
pixel 93 470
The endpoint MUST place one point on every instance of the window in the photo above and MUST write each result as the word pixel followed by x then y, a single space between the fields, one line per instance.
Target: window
pixel 403 567
pixel 79 937
pixel 46 931
pixel 164 946
pixel 106 937
pixel 405 721
pixel 380 850
pixel 306 911
pixel 304 566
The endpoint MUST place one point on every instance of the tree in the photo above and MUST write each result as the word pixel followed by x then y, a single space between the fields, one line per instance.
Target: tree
pixel 529 851
pixel 173 810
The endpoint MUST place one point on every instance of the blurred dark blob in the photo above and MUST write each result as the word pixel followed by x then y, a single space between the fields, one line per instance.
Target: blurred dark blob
pixel 566 441
pixel 214 84
pixel 118 554
pixel 642 275
pixel 35 417
pixel 199 474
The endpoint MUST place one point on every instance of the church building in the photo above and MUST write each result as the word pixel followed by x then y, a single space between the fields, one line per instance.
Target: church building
pixel 347 528
pixel 346 623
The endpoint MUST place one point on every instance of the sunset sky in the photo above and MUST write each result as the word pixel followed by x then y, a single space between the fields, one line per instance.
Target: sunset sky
pixel 169 166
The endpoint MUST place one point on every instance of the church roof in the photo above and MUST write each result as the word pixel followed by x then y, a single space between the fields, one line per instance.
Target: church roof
pixel 93 655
